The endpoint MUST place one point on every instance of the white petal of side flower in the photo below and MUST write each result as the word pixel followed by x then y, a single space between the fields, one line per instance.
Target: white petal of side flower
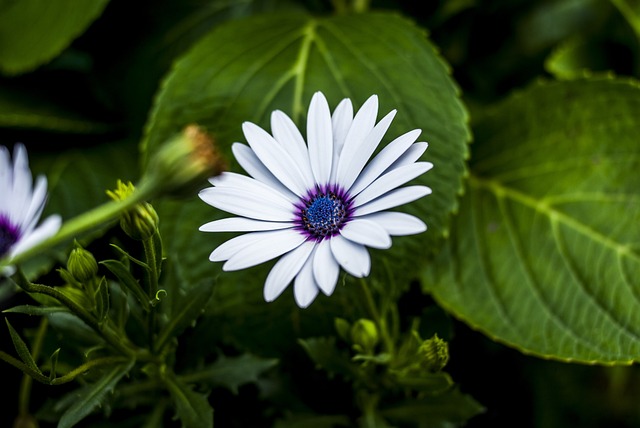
pixel 317 205
pixel 21 206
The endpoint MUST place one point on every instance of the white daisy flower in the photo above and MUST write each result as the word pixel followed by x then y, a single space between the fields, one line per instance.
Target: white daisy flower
pixel 21 206
pixel 319 204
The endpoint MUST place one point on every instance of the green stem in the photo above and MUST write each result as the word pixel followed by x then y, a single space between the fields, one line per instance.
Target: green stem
pixel 377 318
pixel 152 289
pixel 88 220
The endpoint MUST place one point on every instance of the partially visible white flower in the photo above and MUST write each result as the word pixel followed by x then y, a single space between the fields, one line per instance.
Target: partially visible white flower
pixel 21 205
pixel 317 204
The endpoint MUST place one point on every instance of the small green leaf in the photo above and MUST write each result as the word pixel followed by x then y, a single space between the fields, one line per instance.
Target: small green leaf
pixel 128 281
pixel 544 255
pixel 22 349
pixel 192 408
pixel 93 395
pixel 326 355
pixel 101 297
pixel 443 410
pixel 232 372
pixel 35 310
pixel 32 32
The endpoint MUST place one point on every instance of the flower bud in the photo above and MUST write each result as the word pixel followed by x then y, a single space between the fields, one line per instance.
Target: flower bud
pixel 139 222
pixel 435 353
pixel 81 264
pixel 364 335
pixel 184 161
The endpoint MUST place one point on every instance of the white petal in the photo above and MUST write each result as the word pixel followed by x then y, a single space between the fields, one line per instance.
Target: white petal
pixel 250 163
pixel 285 270
pixel 410 156
pixel 275 158
pixel 21 185
pixel 228 248
pixel 5 176
pixel 354 258
pixel 366 232
pixel 238 181
pixel 288 135
pixel 364 152
pixel 396 223
pixel 340 122
pixel 383 160
pixel 46 229
pixel 305 288
pixel 390 181
pixel 265 249
pixel 241 224
pixel 325 268
pixel 249 203
pixel 392 199
pixel 36 205
pixel 320 138
pixel 361 126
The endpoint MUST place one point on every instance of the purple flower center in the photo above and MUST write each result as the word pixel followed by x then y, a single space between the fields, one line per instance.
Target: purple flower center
pixel 9 235
pixel 323 213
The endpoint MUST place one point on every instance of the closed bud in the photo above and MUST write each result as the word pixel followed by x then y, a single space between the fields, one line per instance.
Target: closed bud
pixel 434 353
pixel 364 335
pixel 139 222
pixel 185 161
pixel 81 264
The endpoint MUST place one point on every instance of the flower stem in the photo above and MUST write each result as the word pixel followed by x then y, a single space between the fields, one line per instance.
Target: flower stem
pixel 88 220
pixel 152 289
pixel 377 318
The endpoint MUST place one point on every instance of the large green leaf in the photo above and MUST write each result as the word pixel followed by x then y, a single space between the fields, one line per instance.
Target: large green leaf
pixel 544 253
pixel 244 69
pixel 32 32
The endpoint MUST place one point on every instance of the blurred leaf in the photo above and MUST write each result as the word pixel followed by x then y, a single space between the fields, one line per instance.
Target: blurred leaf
pixel 193 408
pixel 575 58
pixel 20 110
pixel 326 355
pixel 32 32
pixel 545 250
pixel 244 69
pixel 35 310
pixel 630 9
pixel 93 395
pixel 232 372
pixel 313 421
pixel 451 409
